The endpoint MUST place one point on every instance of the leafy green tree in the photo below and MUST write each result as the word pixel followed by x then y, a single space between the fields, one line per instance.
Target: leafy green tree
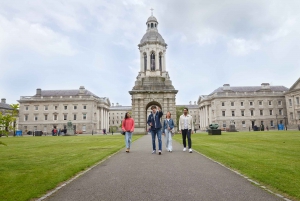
pixel 5 124
pixel 15 113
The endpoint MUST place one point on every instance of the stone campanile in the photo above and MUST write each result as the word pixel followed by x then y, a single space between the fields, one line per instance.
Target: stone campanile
pixel 153 85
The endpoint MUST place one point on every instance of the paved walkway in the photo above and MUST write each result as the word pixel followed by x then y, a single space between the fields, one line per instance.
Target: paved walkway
pixel 141 175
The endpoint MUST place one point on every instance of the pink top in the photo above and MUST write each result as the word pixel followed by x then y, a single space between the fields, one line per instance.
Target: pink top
pixel 128 124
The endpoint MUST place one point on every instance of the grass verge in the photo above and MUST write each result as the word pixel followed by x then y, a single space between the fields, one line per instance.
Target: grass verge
pixel 272 158
pixel 30 166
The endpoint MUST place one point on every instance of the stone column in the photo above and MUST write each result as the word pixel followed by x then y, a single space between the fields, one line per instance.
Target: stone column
pixel 101 117
pixel 163 62
pixel 201 118
pixel 205 108
pixel 148 60
pixel 157 60
pixel 107 113
pixel 104 118
pixel 142 61
pixel 98 118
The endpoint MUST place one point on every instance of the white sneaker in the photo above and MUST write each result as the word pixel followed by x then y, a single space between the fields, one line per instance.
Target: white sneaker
pixel 184 149
pixel 190 150
pixel 154 152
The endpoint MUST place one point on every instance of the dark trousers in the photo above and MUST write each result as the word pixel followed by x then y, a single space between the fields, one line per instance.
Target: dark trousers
pixel 186 133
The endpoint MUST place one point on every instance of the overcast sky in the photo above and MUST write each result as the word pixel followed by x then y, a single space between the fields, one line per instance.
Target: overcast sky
pixel 93 43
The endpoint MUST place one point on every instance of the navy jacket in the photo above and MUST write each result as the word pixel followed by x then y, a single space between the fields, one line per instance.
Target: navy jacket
pixel 166 122
pixel 155 121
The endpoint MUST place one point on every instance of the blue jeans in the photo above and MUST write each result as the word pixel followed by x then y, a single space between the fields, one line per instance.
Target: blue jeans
pixel 128 139
pixel 154 133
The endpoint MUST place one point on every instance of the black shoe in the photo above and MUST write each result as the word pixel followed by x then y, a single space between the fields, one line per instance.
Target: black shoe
pixel 159 152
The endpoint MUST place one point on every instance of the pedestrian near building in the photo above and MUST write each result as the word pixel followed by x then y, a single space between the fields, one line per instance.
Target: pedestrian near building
pixel 128 128
pixel 186 127
pixel 154 123
pixel 168 131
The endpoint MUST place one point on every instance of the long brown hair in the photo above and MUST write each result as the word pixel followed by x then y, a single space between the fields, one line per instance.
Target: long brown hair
pixel 167 114
pixel 126 115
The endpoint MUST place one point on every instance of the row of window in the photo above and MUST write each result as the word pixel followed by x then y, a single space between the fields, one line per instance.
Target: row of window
pixel 46 107
pixel 251 103
pixel 55 117
pixel 261 113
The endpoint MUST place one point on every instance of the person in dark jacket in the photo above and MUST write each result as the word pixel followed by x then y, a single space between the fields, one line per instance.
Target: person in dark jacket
pixel 155 124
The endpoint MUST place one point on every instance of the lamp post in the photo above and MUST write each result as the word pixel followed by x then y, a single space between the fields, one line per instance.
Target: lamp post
pixel 285 122
pixel 277 122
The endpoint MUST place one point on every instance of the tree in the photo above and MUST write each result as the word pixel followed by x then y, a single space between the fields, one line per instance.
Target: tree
pixel 15 113
pixel 5 124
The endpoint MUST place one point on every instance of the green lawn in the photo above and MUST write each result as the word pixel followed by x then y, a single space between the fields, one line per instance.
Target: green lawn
pixel 272 157
pixel 30 166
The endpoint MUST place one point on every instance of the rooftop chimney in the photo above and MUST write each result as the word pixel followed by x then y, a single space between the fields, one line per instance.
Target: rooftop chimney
pixel 226 87
pixel 81 90
pixel 112 104
pixel 3 100
pixel 117 104
pixel 265 86
pixel 190 102
pixel 38 92
pixel 195 103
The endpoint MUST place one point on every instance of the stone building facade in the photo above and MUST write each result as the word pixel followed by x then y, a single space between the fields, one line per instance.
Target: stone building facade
pixel 55 108
pixel 243 106
pixel 4 107
pixel 292 98
pixel 117 114
pixel 153 85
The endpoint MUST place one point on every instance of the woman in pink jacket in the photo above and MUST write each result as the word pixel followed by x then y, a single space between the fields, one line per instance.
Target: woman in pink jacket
pixel 128 128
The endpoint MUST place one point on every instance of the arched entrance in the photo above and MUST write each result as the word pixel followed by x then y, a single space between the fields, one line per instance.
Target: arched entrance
pixel 148 111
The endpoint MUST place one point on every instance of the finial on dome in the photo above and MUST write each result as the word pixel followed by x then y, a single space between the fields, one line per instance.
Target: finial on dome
pixel 151 11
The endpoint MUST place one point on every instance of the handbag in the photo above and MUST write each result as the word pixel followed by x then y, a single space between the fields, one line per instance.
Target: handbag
pixel 123 132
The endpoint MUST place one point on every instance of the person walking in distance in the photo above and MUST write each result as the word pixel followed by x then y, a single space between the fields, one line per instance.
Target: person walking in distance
pixel 186 127
pixel 154 122
pixel 167 131
pixel 128 128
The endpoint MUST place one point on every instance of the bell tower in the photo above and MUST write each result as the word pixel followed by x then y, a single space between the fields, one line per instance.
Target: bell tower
pixel 153 85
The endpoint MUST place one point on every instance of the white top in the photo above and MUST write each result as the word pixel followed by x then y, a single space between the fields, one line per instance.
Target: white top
pixel 186 122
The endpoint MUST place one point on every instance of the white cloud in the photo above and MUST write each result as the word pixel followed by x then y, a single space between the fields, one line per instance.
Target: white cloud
pixel 18 33
pixel 242 47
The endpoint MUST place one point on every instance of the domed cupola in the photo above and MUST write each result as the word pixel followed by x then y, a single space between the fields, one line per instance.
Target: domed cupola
pixel 152 35
pixel 152 51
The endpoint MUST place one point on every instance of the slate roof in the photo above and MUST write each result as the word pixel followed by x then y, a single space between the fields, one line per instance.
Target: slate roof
pixel 5 106
pixel 250 89
pixel 74 92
